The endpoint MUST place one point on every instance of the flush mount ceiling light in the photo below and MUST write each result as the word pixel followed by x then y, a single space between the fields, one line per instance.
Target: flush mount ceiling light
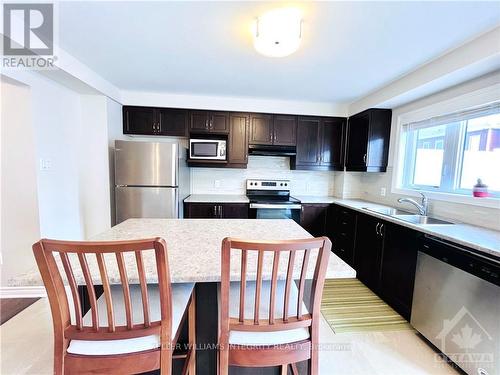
pixel 277 33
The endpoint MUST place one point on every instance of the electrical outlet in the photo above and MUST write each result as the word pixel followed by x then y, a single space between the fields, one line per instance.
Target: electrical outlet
pixel 382 192
pixel 217 183
pixel 45 164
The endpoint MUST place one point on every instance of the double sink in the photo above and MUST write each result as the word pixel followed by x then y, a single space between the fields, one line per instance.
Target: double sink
pixel 408 216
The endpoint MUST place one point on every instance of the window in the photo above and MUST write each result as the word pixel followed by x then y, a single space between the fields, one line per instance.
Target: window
pixel 449 153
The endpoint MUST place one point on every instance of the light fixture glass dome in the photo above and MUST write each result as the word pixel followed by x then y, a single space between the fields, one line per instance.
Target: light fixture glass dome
pixel 277 33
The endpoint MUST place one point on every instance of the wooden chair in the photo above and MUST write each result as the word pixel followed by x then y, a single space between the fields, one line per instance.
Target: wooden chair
pixel 129 328
pixel 265 322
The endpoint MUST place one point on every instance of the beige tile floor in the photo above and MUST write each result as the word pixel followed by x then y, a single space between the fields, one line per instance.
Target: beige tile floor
pixel 26 348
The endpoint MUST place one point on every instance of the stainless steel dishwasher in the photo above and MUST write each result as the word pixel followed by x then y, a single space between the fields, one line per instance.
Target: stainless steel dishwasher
pixel 456 304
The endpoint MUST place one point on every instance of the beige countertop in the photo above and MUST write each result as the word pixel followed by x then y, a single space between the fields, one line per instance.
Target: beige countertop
pixel 216 198
pixel 193 247
pixel 315 199
pixel 481 239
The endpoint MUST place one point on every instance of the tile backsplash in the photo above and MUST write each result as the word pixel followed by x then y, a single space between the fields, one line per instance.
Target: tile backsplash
pixel 232 181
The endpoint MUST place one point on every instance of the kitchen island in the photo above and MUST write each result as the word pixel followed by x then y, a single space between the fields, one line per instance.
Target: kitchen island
pixel 193 247
pixel 194 255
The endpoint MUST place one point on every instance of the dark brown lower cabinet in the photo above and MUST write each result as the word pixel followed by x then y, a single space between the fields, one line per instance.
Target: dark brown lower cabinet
pixel 368 250
pixel 235 211
pixel 215 210
pixel 399 260
pixel 313 218
pixel 341 229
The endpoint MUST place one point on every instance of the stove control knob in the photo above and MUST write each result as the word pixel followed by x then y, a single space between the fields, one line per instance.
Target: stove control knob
pixel 286 184
pixel 281 184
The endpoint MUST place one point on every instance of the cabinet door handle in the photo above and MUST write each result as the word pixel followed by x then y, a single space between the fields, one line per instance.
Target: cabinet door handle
pixel 210 124
pixel 206 124
pixel 215 211
pixel 220 212
pixel 364 158
pixel 376 229
pixel 380 230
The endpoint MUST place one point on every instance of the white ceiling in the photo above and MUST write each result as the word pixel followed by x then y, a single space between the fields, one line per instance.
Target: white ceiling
pixel 349 49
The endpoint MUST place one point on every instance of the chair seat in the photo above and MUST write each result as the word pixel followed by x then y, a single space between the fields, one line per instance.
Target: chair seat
pixel 265 337
pixel 180 300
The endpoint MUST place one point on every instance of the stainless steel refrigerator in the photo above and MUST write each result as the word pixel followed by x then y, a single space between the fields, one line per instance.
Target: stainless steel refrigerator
pixel 151 180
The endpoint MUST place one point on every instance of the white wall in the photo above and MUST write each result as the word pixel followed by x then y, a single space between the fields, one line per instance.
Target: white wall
pixel 20 226
pixel 71 134
pixel 368 185
pixel 93 166
pixel 232 181
pixel 230 103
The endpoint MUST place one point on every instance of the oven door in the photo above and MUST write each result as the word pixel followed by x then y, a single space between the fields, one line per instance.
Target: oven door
pixel 275 211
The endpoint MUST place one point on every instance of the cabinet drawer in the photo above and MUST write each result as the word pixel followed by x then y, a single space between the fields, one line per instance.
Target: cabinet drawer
pixel 344 248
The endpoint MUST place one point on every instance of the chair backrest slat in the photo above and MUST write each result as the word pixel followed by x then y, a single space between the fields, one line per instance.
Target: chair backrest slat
pixel 144 288
pixel 295 272
pixel 107 292
pixel 79 253
pixel 302 282
pixel 126 289
pixel 288 284
pixel 90 290
pixel 74 289
pixel 274 283
pixel 243 284
pixel 258 287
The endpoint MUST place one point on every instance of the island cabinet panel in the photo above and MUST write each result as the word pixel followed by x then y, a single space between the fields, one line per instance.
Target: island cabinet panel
pixel 368 250
pixel 139 120
pixel 216 210
pixel 209 122
pixel 320 143
pixel 341 229
pixel 313 218
pixel 368 141
pixel 399 261
pixel 261 129
pixel 238 140
pixel 284 130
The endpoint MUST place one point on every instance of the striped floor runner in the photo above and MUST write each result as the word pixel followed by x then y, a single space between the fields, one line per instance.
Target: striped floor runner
pixel 349 306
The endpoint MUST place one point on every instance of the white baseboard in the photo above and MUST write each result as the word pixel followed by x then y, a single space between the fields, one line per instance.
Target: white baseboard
pixel 22 291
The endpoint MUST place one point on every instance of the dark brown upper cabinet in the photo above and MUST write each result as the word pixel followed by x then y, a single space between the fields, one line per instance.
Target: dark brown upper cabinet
pixel 278 130
pixel 209 122
pixel 140 121
pixel 284 130
pixel 368 141
pixel 319 143
pixel 308 146
pixel 155 121
pixel 261 129
pixel 173 122
pixel 238 140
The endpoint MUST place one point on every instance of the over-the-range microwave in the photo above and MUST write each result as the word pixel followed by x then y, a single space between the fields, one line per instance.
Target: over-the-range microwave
pixel 207 149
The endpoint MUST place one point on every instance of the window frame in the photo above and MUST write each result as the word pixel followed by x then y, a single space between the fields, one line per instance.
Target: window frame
pixel 479 98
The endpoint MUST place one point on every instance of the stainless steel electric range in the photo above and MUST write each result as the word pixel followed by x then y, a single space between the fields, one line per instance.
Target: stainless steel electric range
pixel 270 199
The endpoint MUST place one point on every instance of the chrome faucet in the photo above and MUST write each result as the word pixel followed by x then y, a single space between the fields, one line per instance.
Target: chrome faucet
pixel 422 208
